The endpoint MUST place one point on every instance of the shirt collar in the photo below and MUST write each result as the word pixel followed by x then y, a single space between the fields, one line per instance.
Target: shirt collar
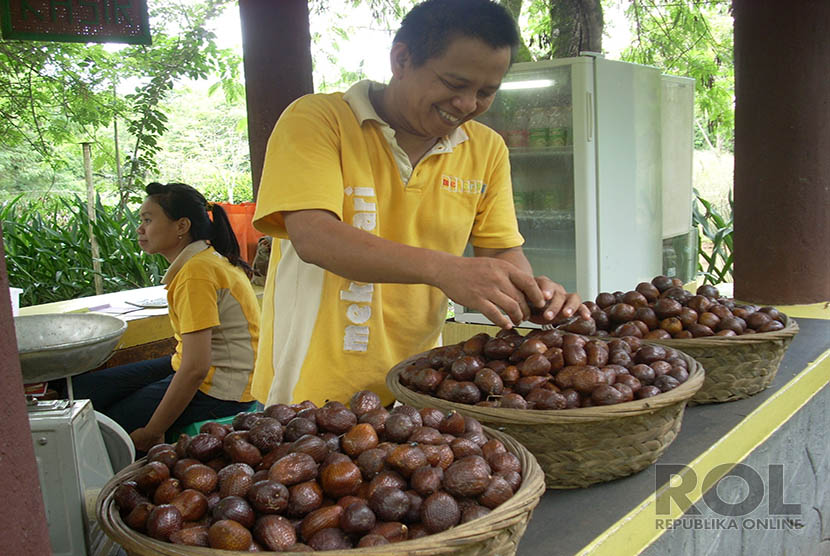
pixel 357 97
pixel 185 255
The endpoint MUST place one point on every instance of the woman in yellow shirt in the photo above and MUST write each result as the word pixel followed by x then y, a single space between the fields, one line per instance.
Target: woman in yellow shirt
pixel 214 314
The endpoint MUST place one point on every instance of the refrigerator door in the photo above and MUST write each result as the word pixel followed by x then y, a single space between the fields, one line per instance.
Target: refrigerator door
pixel 543 121
pixel 677 141
pixel 629 175
pixel 545 112
pixel 586 160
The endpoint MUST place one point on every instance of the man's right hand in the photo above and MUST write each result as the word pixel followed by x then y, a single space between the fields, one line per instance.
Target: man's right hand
pixel 498 289
pixel 494 282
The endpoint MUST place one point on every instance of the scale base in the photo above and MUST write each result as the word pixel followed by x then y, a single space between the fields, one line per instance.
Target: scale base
pixel 73 466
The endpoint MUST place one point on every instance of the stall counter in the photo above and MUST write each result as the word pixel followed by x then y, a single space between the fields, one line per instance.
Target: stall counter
pixel 780 430
pixel 777 437
pixel 144 309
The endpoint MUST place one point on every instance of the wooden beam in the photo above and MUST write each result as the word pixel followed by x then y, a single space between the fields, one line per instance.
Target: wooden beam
pixel 782 140
pixel 23 512
pixel 276 49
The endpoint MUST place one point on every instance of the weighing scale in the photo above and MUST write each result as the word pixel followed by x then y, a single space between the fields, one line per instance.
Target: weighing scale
pixel 77 449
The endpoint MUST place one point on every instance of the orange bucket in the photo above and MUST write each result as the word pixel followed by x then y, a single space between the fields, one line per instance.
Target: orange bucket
pixel 241 217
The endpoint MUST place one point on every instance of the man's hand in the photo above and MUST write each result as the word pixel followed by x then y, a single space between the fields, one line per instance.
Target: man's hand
pixel 497 282
pixel 518 294
pixel 497 288
pixel 558 303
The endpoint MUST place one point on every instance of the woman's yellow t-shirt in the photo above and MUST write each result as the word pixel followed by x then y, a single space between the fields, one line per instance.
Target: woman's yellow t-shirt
pixel 205 291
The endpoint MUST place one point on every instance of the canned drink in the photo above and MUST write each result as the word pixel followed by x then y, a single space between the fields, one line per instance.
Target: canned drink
pixel 14 294
pixel 558 137
pixel 516 137
pixel 537 137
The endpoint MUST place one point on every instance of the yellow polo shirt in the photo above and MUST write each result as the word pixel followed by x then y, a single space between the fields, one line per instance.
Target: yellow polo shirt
pixel 204 290
pixel 325 337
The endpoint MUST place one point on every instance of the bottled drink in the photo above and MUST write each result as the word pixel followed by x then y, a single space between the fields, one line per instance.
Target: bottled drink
pixel 515 133
pixel 537 133
pixel 558 130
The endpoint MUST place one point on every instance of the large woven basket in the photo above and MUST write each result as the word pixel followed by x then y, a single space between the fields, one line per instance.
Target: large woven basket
pixel 582 446
pixel 498 532
pixel 736 366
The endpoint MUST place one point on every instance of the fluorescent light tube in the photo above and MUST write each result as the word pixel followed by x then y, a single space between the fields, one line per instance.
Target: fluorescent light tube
pixel 531 84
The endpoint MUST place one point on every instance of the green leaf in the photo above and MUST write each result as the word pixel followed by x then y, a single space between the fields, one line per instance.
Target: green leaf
pixel 718 230
pixel 31 244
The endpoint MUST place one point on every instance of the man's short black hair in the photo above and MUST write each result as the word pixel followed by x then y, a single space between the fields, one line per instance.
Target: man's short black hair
pixel 429 27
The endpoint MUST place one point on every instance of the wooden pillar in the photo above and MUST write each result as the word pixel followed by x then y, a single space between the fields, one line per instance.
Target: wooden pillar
pixel 782 151
pixel 22 512
pixel 276 48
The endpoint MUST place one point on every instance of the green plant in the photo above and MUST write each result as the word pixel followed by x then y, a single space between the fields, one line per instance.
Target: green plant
pixel 207 146
pixel 693 39
pixel 48 252
pixel 56 95
pixel 715 239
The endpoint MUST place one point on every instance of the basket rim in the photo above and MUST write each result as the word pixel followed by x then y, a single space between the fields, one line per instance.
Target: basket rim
pixel 516 509
pixel 681 394
pixel 790 329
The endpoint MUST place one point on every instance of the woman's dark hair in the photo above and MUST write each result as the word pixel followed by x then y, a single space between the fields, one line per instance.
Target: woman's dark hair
pixel 179 200
pixel 430 26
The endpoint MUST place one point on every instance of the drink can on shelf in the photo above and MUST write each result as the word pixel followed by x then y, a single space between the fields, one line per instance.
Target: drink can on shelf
pixel 515 137
pixel 516 133
pixel 558 136
pixel 537 135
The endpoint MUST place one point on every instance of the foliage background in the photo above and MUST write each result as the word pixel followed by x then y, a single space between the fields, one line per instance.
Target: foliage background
pixel 179 105
pixel 58 95
pixel 48 253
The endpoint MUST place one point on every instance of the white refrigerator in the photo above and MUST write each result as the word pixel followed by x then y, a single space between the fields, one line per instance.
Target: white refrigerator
pixel 601 163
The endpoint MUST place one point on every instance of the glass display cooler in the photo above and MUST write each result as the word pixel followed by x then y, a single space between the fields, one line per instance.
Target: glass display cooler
pixel 601 163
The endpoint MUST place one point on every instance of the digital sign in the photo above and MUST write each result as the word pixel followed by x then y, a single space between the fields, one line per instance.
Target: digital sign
pixel 122 21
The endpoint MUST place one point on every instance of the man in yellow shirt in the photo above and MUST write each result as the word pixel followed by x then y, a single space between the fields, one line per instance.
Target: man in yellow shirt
pixel 374 194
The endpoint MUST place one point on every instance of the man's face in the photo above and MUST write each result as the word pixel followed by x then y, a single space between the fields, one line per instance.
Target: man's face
pixel 451 89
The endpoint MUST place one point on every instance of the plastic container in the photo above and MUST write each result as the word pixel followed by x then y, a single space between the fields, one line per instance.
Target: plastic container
pixel 15 293
pixel 558 127
pixel 515 133
pixel 241 216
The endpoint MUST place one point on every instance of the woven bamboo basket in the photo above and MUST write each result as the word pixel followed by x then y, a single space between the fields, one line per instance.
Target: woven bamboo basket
pixel 498 532
pixel 736 366
pixel 582 446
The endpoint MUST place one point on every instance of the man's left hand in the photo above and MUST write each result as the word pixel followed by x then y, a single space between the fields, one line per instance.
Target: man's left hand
pixel 559 303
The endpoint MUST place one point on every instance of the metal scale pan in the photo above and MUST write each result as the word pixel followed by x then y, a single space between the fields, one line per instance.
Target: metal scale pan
pixel 73 457
pixel 63 345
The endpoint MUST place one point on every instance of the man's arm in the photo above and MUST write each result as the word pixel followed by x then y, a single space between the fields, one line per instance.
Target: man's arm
pixel 496 286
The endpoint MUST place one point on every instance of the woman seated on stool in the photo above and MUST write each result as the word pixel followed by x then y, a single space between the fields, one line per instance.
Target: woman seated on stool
pixel 214 314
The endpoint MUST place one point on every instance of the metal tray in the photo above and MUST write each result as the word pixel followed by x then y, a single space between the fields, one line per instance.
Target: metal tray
pixel 60 345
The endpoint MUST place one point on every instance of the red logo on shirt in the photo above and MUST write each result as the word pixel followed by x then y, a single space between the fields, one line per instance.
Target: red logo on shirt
pixel 460 185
